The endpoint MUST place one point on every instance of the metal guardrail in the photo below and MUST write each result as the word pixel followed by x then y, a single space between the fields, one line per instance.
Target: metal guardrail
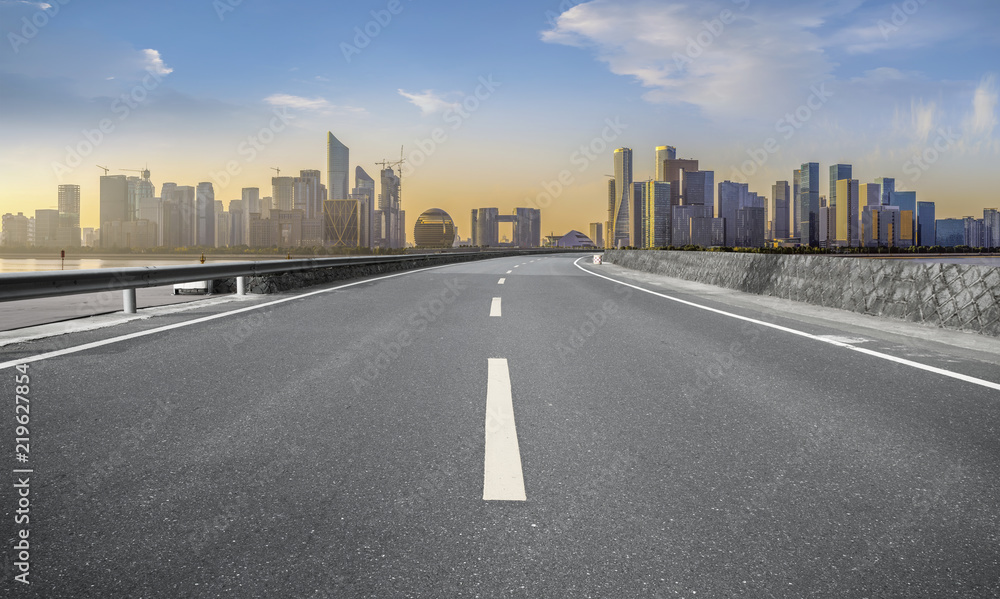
pixel 42 284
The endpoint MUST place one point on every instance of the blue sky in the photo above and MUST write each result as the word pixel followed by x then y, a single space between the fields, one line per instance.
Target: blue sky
pixel 886 81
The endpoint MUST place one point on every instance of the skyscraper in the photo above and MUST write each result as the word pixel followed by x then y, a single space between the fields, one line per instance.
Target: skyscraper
pixel 638 224
pixel 337 166
pixel 307 196
pixel 283 193
pixel 114 202
pixel 251 205
pixel 732 197
pixel 781 193
pixel 69 202
pixel 364 192
pixel 926 225
pixel 888 186
pixel 663 153
pixel 795 207
pixel 847 216
pixel 597 234
pixel 623 197
pixel 837 172
pixel 527 227
pixel 609 225
pixel 655 214
pixel 388 203
pixel 672 169
pixel 342 226
pixel 808 204
pixel 697 188
pixel 206 214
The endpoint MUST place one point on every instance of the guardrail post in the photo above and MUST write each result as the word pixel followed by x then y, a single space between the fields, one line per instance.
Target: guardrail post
pixel 128 298
pixel 241 285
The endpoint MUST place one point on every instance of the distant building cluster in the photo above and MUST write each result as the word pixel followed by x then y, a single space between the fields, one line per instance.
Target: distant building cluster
pixel 527 227
pixel 684 206
pixel 301 211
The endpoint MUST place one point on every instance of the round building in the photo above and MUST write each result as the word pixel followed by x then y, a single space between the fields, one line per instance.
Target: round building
pixel 434 229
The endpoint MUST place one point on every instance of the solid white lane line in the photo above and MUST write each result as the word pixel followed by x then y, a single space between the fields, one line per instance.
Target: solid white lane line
pixel 495 307
pixel 86 346
pixel 502 279
pixel 832 340
pixel 509 271
pixel 503 479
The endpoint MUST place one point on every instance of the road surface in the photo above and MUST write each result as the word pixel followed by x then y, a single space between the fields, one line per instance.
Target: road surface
pixel 514 427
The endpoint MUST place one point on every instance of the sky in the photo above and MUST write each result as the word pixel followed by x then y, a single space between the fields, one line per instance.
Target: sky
pixel 501 105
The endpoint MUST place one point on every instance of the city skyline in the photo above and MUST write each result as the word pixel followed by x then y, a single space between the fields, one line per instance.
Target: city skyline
pixel 870 84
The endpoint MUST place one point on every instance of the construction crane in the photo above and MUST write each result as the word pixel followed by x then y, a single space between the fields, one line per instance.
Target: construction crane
pixel 277 170
pixel 106 169
pixel 386 164
pixel 144 171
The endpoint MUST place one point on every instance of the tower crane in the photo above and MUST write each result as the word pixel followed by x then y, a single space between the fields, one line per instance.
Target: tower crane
pixel 277 170
pixel 106 169
pixel 144 171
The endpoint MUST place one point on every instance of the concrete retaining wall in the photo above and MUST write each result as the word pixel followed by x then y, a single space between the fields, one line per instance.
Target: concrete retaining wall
pixel 294 280
pixel 956 296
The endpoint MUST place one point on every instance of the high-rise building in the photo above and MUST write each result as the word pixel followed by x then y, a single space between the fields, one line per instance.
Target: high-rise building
pixel 364 192
pixel 389 204
pixel 638 224
pixel 907 202
pixel 950 232
pixel 926 225
pixel 750 225
pixel 782 202
pixel 655 215
pixel 623 198
pixel 672 169
pixel 527 227
pixel 306 194
pixel 46 228
pixel 732 196
pixel 697 188
pixel 846 232
pixel 139 188
pixel 15 230
pixel 663 153
pixel 609 225
pixel 837 172
pixel 808 205
pixel 114 202
pixel 485 227
pixel 888 187
pixel 206 215
pixel 597 234
pixel 283 192
pixel 69 202
pixel 338 167
pixel 796 221
pixel 237 223
pixel 991 226
pixel 342 223
pixel 251 205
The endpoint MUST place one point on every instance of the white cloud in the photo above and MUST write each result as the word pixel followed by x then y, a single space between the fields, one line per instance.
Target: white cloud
pixel 711 54
pixel 154 63
pixel 983 119
pixel 319 105
pixel 428 101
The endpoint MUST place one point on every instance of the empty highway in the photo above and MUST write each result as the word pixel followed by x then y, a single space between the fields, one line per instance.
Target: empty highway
pixel 517 427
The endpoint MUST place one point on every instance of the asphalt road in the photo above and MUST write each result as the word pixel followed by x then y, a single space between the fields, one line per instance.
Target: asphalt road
pixel 335 444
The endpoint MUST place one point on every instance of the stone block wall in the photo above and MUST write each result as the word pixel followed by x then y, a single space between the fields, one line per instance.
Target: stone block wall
pixel 955 296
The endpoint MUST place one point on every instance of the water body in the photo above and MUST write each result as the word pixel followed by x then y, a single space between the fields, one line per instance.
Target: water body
pixel 8 265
